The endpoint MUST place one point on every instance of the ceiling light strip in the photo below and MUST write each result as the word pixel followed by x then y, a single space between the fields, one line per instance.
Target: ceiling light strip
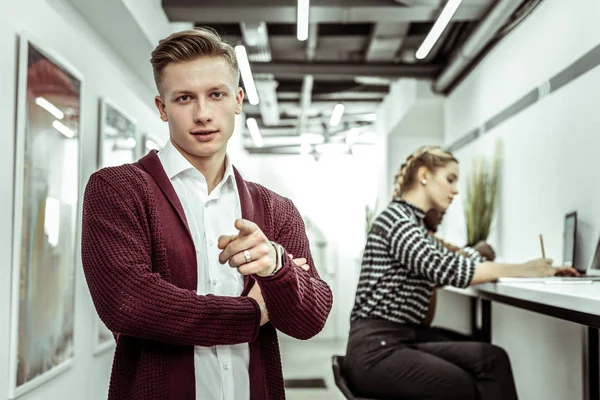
pixel 244 64
pixel 255 132
pixel 437 28
pixel 302 19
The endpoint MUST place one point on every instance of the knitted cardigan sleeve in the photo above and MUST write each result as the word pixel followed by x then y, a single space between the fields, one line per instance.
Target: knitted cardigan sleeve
pixel 298 301
pixel 133 300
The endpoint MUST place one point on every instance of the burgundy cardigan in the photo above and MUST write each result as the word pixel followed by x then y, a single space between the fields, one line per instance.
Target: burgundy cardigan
pixel 140 265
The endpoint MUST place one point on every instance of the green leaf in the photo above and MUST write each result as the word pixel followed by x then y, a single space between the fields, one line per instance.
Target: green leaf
pixel 482 195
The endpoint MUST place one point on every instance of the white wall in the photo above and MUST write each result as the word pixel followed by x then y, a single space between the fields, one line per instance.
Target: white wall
pixel 550 167
pixel 409 117
pixel 332 193
pixel 59 29
pixel 422 125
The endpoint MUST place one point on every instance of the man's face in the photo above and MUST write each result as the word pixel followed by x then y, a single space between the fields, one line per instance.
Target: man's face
pixel 200 99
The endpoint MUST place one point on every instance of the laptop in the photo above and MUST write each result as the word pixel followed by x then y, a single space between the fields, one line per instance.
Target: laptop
pixel 570 240
pixel 592 273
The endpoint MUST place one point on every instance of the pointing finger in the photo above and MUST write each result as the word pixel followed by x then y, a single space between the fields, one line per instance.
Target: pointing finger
pixel 224 240
pixel 245 227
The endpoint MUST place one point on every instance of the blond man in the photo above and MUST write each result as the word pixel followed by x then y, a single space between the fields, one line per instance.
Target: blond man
pixel 187 263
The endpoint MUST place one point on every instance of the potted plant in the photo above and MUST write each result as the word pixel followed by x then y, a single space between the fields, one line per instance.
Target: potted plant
pixel 482 197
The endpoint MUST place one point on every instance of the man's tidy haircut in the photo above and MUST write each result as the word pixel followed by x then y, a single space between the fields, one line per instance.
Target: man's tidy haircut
pixel 190 45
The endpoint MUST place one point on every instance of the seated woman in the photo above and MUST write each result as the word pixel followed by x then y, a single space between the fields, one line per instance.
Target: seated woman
pixel 389 354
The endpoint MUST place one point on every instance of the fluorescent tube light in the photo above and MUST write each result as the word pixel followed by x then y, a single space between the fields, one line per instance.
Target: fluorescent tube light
pixel 336 115
pixel 303 11
pixel 255 132
pixel 244 64
pixel 437 28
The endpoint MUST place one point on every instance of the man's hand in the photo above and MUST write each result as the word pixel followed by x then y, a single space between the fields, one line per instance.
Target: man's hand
pixel 250 251
pixel 301 262
pixel 485 250
pixel 256 294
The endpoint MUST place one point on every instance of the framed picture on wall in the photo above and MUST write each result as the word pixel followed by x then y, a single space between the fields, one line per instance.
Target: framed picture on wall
pixel 117 145
pixel 46 208
pixel 149 143
pixel 118 141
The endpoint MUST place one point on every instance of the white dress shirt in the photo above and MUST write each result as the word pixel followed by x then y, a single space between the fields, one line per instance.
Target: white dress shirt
pixel 221 371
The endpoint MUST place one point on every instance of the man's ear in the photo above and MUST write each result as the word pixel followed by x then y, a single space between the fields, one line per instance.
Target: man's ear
pixel 239 98
pixel 160 105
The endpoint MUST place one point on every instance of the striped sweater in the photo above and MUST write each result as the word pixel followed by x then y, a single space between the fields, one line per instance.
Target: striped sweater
pixel 402 264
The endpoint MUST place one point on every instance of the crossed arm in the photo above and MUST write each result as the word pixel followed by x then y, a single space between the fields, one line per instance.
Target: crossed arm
pixel 133 300
pixel 296 301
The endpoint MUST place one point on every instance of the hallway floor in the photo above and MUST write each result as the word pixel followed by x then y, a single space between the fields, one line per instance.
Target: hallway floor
pixel 310 360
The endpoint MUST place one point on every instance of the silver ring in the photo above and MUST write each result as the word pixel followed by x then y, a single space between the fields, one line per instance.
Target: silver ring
pixel 247 256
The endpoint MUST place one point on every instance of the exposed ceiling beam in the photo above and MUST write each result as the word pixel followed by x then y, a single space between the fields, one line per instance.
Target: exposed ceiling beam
pixel 327 87
pixel 343 96
pixel 266 87
pixel 308 80
pixel 311 43
pixel 274 150
pixel 337 71
pixel 292 108
pixel 277 132
pixel 385 42
pixel 287 149
pixel 305 100
pixel 349 11
pixel 291 123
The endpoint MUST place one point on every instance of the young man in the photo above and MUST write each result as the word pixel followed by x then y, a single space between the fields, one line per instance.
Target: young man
pixel 187 263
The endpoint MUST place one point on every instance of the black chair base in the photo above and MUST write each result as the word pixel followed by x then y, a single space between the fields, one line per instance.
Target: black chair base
pixel 340 381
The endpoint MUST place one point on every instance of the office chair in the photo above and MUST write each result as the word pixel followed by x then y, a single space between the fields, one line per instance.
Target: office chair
pixel 340 381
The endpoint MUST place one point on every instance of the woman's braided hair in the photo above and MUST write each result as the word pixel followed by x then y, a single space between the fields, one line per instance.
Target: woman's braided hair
pixel 431 157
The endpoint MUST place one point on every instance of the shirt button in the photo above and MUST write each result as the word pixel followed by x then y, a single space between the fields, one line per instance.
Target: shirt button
pixel 225 367
pixel 214 282
pixel 211 242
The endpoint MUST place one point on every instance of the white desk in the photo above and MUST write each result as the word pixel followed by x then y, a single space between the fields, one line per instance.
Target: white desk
pixel 579 303
pixel 470 291
pixel 575 302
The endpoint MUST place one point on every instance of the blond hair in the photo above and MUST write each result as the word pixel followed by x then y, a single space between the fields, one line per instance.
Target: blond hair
pixel 190 45
pixel 431 157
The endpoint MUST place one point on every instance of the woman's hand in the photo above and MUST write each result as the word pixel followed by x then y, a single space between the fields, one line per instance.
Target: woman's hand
pixel 543 267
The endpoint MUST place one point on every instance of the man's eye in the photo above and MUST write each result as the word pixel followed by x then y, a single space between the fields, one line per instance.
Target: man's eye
pixel 183 98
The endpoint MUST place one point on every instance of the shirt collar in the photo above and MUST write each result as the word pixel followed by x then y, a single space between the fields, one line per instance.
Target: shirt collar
pixel 418 211
pixel 175 163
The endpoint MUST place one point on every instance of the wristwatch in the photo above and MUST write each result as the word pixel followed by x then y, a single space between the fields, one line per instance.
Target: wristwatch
pixel 279 254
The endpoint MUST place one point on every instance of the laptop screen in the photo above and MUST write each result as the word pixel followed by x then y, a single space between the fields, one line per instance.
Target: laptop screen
pixel 595 267
pixel 570 232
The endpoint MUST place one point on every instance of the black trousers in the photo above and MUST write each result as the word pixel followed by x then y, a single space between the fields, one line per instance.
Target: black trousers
pixel 385 360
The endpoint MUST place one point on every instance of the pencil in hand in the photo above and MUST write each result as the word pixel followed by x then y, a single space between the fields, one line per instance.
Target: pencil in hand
pixel 542 244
